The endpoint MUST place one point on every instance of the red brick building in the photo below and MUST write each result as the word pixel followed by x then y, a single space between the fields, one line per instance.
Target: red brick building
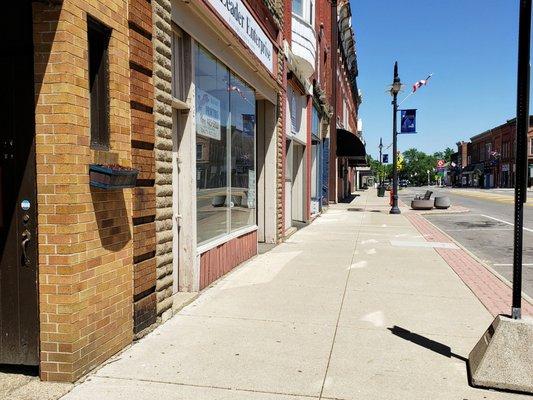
pixel 491 157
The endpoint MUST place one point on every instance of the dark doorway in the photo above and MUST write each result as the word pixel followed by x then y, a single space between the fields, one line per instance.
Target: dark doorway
pixel 19 316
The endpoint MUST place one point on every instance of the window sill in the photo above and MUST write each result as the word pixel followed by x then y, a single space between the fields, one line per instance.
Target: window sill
pixel 217 242
pixel 180 104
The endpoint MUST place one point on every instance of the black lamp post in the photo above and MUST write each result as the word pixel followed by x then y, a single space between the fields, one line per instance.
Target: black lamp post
pixel 394 90
pixel 380 160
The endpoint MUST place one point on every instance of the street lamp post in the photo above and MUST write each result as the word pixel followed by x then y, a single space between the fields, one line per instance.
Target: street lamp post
pixel 429 182
pixel 394 90
pixel 380 160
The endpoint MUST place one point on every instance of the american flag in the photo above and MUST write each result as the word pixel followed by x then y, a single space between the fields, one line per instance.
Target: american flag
pixel 421 83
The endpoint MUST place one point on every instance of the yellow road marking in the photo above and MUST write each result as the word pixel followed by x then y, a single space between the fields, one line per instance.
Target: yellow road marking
pixel 499 198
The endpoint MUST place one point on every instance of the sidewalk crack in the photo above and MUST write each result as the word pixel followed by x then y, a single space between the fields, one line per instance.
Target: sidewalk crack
pixel 354 252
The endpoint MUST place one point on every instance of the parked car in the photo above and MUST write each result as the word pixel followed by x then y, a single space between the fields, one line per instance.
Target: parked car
pixel 404 182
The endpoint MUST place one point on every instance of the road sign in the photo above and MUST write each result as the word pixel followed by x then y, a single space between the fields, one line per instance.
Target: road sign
pixel 440 163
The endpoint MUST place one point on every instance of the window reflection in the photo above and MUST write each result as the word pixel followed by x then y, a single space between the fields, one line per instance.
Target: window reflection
pixel 224 202
pixel 212 113
pixel 242 109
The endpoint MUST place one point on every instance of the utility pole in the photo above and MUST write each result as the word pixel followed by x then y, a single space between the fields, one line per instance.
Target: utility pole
pixel 522 125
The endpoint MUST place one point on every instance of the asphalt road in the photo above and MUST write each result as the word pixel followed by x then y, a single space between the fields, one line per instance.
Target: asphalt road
pixel 487 230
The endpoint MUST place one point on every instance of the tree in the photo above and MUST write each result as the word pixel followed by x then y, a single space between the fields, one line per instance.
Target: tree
pixel 417 163
pixel 448 154
pixel 380 171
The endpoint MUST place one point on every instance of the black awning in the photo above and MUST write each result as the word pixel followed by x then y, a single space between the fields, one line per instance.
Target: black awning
pixel 357 162
pixel 468 169
pixel 474 168
pixel 349 145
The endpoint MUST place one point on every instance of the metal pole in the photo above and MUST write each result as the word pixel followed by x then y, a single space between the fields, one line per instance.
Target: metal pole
pixel 380 177
pixel 395 209
pixel 522 124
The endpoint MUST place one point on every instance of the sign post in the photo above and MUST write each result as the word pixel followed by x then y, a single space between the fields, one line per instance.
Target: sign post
pixel 522 125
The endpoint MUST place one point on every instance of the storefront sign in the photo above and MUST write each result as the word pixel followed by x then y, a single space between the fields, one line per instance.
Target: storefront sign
pixel 235 13
pixel 207 115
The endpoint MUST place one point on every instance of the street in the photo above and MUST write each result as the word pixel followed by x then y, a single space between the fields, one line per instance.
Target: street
pixel 487 230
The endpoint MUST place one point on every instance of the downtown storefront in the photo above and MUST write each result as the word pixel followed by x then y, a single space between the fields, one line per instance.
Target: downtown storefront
pixel 225 124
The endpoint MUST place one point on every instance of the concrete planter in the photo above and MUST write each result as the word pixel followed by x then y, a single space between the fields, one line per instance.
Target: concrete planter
pixel 421 204
pixel 442 202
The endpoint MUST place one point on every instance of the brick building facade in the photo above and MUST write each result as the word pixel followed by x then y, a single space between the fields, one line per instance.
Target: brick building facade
pixel 204 111
pixel 488 160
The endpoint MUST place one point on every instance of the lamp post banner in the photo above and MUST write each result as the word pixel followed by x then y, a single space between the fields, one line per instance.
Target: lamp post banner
pixel 385 158
pixel 408 121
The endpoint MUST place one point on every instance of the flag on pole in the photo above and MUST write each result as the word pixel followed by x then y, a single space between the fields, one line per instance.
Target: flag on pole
pixel 421 83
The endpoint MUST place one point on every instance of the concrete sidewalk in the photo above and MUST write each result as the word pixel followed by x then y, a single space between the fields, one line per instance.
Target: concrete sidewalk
pixel 355 306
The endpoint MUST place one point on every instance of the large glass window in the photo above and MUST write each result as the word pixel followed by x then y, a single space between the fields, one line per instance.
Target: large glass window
pixel 315 125
pixel 225 137
pixel 298 7
pixel 212 116
pixel 242 110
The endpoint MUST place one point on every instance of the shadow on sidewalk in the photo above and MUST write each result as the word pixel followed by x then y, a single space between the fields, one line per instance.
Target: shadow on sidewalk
pixel 349 199
pixel 423 341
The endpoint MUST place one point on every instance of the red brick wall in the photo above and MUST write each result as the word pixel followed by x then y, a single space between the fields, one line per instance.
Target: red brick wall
pixel 222 259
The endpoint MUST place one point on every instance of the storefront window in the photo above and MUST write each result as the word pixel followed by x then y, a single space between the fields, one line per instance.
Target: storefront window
pixel 242 110
pixel 225 136
pixel 315 123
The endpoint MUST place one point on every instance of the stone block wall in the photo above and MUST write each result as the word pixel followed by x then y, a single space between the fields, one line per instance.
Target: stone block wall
pixel 84 241
pixel 163 154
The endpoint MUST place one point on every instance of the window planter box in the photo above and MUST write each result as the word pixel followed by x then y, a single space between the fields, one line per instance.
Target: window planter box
pixel 112 176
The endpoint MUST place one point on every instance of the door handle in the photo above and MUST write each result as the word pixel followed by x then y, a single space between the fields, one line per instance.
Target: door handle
pixel 26 237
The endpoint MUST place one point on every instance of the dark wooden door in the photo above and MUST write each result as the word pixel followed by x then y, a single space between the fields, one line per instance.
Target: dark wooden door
pixel 19 316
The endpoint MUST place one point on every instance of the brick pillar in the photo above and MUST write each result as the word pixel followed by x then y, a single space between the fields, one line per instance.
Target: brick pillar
pixel 85 247
pixel 142 143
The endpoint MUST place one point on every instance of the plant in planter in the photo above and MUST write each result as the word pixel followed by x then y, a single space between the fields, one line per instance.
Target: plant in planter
pixel 112 176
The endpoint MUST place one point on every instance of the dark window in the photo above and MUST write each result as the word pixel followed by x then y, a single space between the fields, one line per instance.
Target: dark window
pixel 98 37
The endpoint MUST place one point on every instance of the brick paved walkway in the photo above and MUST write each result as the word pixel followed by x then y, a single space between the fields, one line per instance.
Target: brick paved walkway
pixel 488 288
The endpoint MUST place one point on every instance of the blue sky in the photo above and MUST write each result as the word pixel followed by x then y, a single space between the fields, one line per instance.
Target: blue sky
pixel 469 45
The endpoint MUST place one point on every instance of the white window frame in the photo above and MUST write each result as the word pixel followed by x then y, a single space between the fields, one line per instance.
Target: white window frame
pixel 308 12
